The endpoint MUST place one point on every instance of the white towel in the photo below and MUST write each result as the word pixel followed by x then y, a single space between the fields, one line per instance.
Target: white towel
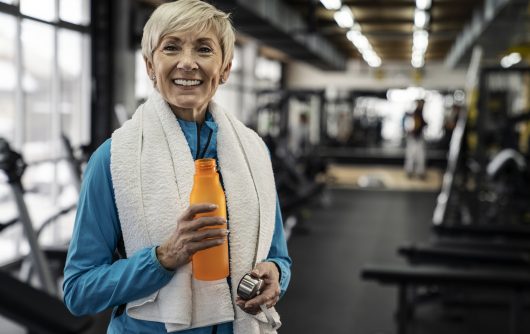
pixel 152 172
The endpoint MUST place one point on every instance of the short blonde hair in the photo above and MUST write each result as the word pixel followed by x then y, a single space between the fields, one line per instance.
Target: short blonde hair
pixel 188 15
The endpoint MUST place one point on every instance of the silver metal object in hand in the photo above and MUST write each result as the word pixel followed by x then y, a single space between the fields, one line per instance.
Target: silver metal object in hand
pixel 248 288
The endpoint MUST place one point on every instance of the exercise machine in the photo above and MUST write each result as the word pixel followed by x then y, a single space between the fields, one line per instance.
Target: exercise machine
pixel 38 310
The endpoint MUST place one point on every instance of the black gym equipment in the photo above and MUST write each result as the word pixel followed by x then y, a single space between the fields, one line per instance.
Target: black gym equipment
pixel 480 221
pixel 467 257
pixel 408 279
pixel 37 310
pixel 295 174
pixel 13 166
pixel 486 187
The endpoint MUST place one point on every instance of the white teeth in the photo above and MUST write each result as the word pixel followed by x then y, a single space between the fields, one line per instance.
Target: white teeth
pixel 182 82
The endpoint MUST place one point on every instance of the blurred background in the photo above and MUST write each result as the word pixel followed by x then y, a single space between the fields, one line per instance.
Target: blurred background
pixel 329 85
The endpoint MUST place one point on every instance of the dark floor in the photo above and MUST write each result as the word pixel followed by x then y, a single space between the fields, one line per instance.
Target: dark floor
pixel 326 294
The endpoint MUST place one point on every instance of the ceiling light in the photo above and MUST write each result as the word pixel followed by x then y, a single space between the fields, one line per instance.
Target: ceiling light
pixel 372 58
pixel 352 34
pixel 417 54
pixel 363 46
pixel 420 40
pixel 369 54
pixel 423 4
pixel 361 42
pixel 511 59
pixel 331 4
pixel 344 17
pixel 417 63
pixel 376 62
pixel 421 18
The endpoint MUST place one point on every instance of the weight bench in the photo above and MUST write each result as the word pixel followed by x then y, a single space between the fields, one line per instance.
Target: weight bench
pixel 36 310
pixel 511 231
pixel 482 243
pixel 425 254
pixel 406 278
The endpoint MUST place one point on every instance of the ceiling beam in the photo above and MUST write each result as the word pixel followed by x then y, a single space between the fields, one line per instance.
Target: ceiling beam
pixel 280 26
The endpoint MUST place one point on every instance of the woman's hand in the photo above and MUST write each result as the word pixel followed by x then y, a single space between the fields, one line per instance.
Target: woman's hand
pixel 270 290
pixel 187 238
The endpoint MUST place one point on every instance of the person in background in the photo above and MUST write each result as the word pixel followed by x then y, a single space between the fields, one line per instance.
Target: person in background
pixel 300 145
pixel 344 128
pixel 136 189
pixel 449 125
pixel 414 124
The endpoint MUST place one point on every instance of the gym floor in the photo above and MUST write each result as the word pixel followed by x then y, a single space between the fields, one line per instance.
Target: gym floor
pixel 359 227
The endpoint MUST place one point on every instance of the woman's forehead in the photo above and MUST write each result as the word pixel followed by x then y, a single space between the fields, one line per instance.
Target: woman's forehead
pixel 192 36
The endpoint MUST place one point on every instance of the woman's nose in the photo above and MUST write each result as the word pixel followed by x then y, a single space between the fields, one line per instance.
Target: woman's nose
pixel 187 62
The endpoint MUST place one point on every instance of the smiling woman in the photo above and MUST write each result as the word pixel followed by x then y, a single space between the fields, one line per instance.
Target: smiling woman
pixel 136 197
pixel 186 68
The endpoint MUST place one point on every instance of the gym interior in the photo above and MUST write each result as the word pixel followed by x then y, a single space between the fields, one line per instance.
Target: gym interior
pixel 380 244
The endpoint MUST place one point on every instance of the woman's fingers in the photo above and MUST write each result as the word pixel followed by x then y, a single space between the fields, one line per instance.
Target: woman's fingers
pixel 194 209
pixel 194 247
pixel 208 234
pixel 270 293
pixel 206 222
pixel 192 235
pixel 269 297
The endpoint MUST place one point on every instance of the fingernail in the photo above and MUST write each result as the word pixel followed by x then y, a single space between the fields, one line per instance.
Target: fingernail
pixel 212 206
pixel 227 232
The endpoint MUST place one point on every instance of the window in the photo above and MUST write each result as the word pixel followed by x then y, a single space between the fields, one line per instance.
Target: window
pixel 9 76
pixel 73 105
pixel 74 11
pixel 37 66
pixel 44 92
pixel 40 9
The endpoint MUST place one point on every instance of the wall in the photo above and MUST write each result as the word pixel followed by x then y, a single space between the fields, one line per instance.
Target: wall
pixel 124 63
pixel 359 76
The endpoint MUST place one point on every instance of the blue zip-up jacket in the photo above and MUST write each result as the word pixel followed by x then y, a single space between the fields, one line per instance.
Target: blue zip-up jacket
pixel 93 282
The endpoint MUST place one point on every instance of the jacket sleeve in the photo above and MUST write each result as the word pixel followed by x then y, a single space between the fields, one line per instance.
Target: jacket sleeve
pixel 278 252
pixel 92 281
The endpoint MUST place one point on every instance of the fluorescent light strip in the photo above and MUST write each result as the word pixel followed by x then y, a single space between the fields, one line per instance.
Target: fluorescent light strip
pixel 421 18
pixel 420 41
pixel 423 4
pixel 363 46
pixel 417 63
pixel 331 4
pixel 344 17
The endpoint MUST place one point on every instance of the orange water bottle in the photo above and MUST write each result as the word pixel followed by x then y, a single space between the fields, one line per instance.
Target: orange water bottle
pixel 212 263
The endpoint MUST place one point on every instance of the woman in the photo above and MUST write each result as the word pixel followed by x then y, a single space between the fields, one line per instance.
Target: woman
pixel 136 193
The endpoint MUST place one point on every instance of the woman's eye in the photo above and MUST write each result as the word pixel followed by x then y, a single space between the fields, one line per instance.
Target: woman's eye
pixel 170 48
pixel 205 49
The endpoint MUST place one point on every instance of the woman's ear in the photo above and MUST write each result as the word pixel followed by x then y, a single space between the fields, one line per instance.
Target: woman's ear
pixel 150 70
pixel 226 73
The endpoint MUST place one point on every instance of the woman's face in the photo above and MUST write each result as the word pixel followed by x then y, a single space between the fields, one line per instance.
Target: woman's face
pixel 187 66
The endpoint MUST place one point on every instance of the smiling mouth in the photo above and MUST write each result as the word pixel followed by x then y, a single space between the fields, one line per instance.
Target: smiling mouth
pixel 187 83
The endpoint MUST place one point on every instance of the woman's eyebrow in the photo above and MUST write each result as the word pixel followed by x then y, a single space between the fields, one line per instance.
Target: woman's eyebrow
pixel 172 38
pixel 206 40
